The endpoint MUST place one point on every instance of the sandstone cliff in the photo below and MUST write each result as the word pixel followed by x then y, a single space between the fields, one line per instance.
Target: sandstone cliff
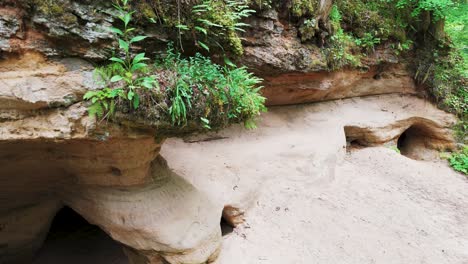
pixel 52 154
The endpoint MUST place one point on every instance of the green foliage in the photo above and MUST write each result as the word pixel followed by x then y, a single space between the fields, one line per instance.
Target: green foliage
pixel 443 71
pixel 442 65
pixel 396 149
pixel 49 7
pixel 181 91
pixel 373 19
pixel 461 131
pixel 308 28
pixel 459 160
pixel 215 95
pixel 335 15
pixel 456 27
pixel 402 46
pixel 125 74
pixel 438 8
pixel 213 23
pixel 301 8
pixel 368 41
pixel 341 46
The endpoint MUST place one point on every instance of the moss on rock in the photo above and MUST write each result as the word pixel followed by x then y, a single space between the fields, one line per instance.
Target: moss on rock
pixel 50 7
pixel 300 8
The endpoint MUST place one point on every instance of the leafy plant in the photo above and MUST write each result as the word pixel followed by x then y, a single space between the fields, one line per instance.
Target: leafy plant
pixel 339 52
pixel 183 92
pixel 437 7
pixel 125 74
pixel 308 28
pixel 459 160
pixel 335 15
pixel 368 41
pixel 215 20
pixel 198 89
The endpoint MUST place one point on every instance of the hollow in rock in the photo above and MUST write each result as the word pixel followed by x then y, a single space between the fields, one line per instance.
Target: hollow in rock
pixel 73 240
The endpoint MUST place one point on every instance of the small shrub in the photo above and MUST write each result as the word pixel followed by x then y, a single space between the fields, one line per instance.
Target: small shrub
pixel 367 42
pixel 461 131
pixel 339 52
pixel 198 89
pixel 459 161
pixel 125 75
pixel 307 29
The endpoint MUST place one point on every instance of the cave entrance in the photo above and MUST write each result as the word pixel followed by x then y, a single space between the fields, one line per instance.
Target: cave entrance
pixel 354 138
pixel 226 228
pixel 72 240
pixel 231 218
pixel 414 143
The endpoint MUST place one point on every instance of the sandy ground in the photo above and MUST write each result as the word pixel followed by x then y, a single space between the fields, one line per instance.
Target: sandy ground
pixel 308 200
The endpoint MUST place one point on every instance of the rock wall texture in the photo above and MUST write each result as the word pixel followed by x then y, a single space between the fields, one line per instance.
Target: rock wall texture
pixel 52 154
pixel 294 71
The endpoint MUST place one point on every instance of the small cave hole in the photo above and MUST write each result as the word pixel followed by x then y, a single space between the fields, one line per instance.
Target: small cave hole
pixel 226 228
pixel 355 144
pixel 402 143
pixel 355 138
pixel 116 171
pixel 72 240
pixel 415 141
pixel 231 218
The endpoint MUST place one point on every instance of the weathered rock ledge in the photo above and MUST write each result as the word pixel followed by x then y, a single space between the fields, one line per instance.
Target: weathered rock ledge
pixel 52 154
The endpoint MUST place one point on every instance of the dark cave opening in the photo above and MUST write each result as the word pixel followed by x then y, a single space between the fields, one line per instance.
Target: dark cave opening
pixel 354 138
pixel 72 240
pixel 226 228
pixel 402 143
pixel 415 143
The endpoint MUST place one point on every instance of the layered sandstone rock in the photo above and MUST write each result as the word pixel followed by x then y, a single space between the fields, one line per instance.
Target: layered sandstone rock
pixel 294 88
pixel 294 71
pixel 52 154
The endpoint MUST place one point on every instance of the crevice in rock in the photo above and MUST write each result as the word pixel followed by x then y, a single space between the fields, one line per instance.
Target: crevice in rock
pixel 71 239
pixel 231 218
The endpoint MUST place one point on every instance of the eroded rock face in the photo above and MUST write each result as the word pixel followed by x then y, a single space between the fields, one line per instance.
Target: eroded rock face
pixel 120 184
pixel 294 88
pixel 52 154
pixel 294 71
